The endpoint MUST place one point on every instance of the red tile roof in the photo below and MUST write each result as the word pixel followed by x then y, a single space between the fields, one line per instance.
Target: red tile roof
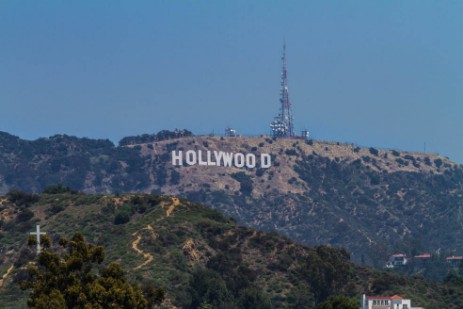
pixel 423 256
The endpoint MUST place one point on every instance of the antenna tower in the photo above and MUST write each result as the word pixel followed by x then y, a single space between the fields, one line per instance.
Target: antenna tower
pixel 282 125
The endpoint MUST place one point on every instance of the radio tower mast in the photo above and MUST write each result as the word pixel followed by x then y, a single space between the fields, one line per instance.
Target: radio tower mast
pixel 282 125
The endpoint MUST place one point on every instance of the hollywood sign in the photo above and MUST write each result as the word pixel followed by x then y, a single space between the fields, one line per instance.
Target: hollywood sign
pixel 220 158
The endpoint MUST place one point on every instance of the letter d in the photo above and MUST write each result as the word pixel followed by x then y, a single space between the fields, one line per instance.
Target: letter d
pixel 265 160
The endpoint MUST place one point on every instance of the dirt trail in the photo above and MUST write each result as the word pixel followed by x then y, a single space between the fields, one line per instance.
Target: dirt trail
pixel 148 256
pixel 6 275
pixel 175 203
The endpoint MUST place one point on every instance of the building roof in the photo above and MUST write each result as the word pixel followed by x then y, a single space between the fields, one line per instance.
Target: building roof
pixel 378 297
pixel 423 256
pixel 394 297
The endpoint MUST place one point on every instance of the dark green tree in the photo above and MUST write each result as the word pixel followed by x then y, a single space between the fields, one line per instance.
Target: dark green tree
pixel 326 270
pixel 67 280
pixel 21 199
pixel 59 189
pixel 122 216
pixel 209 289
pixel 339 302
pixel 254 299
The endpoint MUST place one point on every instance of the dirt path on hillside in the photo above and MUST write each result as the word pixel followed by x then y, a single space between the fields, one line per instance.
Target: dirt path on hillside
pixel 175 203
pixel 148 256
pixel 8 272
pixel 135 243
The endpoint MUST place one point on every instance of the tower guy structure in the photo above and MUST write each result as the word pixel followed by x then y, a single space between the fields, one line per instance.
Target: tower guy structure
pixel 282 125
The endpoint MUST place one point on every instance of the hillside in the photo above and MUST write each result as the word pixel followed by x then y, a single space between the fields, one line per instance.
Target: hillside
pixel 373 202
pixel 198 255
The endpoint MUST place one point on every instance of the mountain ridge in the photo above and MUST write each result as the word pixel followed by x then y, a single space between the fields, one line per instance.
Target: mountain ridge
pixel 374 202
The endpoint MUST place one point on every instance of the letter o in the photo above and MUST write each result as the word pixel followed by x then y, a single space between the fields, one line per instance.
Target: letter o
pixel 191 157
pixel 239 160
pixel 250 160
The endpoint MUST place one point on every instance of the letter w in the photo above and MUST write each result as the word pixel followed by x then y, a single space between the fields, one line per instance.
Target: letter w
pixel 227 159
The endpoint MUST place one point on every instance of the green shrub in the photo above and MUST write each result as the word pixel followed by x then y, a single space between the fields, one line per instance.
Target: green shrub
pixel 260 172
pixel 373 151
pixel 121 217
pixel 25 215
pixel 58 189
pixel 290 152
pixel 254 298
pixel 409 157
pixel 246 184
pixel 427 161
pixel 374 179
pixel 54 209
pixel 339 302
pixel 21 198
pixel 174 177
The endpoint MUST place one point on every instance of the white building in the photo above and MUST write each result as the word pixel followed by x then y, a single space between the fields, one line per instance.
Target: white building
pixel 398 259
pixel 386 302
pixel 230 132
pixel 454 261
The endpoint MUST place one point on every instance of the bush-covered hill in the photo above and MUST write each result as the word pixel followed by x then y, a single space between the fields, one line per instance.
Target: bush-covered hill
pixel 373 202
pixel 151 138
pixel 199 256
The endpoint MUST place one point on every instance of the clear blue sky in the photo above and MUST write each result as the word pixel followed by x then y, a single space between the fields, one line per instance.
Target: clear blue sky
pixel 377 73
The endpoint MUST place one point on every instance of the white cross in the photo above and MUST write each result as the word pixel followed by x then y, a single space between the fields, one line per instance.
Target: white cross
pixel 38 233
